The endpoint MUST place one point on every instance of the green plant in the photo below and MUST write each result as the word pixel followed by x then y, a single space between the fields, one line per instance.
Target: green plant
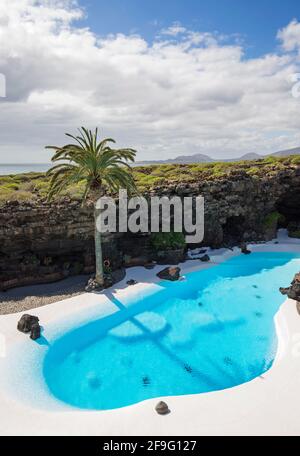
pixel 295 234
pixel 273 219
pixel 41 186
pixel 253 170
pixel 27 186
pixel 94 165
pixel 23 196
pixel 74 191
pixel 167 241
pixel 270 159
pixel 13 195
pixel 5 195
pixel 77 267
pixel 5 180
pixel 10 186
pixel 296 159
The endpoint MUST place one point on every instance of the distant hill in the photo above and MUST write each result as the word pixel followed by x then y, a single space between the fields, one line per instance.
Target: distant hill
pixel 250 156
pixel 184 159
pixel 284 153
pixel 201 158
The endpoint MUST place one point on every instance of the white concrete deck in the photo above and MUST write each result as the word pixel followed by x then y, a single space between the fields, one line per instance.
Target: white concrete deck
pixel 268 405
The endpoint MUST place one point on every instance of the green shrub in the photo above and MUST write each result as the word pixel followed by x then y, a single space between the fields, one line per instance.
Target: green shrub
pixel 273 219
pixel 74 191
pixel 5 195
pixel 296 160
pixel 28 177
pixel 271 159
pixel 15 195
pixel 167 241
pixel 295 234
pixel 253 170
pixel 147 181
pixel 5 180
pixel 10 186
pixel 28 186
pixel 41 186
pixel 23 196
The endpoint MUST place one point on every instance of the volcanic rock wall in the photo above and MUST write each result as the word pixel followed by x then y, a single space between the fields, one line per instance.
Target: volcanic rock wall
pixel 42 242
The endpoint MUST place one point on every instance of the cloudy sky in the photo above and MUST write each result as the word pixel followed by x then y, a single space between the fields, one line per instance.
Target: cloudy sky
pixel 167 78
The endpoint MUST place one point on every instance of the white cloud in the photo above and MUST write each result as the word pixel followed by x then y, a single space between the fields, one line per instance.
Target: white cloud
pixel 174 30
pixel 186 92
pixel 290 36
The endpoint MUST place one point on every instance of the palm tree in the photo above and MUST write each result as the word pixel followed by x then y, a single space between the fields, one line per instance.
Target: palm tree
pixel 99 166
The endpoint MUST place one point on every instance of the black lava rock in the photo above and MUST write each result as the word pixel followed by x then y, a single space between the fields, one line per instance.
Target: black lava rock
pixel 162 408
pixel 244 249
pixel 26 322
pixel 131 282
pixel 293 291
pixel 172 273
pixel 35 332
pixel 205 258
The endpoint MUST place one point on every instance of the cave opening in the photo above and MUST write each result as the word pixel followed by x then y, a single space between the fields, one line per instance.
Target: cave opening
pixel 233 230
pixel 289 208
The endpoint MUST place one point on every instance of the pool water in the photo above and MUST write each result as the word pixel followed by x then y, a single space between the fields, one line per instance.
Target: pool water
pixel 212 331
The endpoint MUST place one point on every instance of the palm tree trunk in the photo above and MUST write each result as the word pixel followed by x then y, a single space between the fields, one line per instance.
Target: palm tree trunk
pixel 98 253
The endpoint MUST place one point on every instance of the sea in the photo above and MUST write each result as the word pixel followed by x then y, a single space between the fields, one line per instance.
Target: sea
pixel 7 168
pixel 13 168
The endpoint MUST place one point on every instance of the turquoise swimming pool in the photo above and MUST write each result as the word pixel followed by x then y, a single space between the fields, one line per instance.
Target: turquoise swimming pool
pixel 212 331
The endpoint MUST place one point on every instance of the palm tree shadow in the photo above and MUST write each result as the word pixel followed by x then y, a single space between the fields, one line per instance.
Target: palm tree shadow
pixel 182 364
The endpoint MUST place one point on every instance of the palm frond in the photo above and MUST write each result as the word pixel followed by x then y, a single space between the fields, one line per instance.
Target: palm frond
pixel 92 161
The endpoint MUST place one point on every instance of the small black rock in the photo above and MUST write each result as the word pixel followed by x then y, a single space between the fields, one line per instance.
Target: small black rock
pixel 131 282
pixel 162 408
pixel 205 258
pixel 35 331
pixel 244 249
pixel 26 322
pixel 170 273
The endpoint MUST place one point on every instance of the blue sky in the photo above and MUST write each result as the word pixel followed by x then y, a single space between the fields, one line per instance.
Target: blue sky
pixel 257 21
pixel 223 83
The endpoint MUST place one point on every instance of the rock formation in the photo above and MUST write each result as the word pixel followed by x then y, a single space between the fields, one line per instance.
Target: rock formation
pixel 171 273
pixel 293 291
pixel 43 242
